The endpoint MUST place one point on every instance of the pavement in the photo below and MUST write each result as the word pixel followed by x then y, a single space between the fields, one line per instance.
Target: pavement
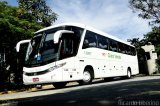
pixel 49 89
pixel 49 86
pixel 145 88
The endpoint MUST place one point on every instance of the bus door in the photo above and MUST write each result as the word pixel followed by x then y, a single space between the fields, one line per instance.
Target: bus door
pixel 66 57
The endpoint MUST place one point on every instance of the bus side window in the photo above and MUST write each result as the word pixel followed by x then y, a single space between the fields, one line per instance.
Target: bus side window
pixel 89 40
pixel 102 42
pixel 133 51
pixel 128 51
pixel 113 46
pixel 121 47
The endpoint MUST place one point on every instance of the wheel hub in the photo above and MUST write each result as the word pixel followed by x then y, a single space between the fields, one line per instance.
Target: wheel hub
pixel 86 76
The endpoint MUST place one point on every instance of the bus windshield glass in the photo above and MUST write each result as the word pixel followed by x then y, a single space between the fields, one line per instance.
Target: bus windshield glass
pixel 42 50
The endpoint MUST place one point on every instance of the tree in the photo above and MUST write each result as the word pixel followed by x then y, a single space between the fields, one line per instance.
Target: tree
pixel 15 24
pixel 153 36
pixel 135 42
pixel 18 23
pixel 39 10
pixel 148 9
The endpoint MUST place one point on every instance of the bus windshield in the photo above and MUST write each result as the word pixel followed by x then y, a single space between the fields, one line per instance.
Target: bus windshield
pixel 42 49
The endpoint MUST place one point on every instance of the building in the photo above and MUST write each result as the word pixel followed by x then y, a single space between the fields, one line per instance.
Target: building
pixel 151 57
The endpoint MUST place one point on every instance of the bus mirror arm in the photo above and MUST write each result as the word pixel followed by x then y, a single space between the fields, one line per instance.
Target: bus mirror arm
pixel 19 44
pixel 58 35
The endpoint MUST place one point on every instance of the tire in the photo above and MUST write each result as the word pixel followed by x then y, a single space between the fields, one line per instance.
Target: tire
pixel 59 84
pixel 129 74
pixel 87 77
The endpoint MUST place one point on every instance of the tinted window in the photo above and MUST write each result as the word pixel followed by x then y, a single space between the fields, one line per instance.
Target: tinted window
pixel 113 45
pixel 121 48
pixel 76 38
pixel 77 31
pixel 133 51
pixel 66 46
pixel 102 42
pixel 128 50
pixel 48 49
pixel 89 40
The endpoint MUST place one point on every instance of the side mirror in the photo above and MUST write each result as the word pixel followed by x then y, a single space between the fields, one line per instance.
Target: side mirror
pixel 58 34
pixel 21 42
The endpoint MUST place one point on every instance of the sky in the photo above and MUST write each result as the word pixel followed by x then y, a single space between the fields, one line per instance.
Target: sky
pixel 110 16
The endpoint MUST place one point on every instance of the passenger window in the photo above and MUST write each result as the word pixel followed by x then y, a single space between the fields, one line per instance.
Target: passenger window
pixel 133 51
pixel 102 42
pixel 89 40
pixel 128 50
pixel 113 46
pixel 121 47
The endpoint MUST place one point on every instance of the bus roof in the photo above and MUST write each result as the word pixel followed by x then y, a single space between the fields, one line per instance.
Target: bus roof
pixel 87 28
pixel 63 24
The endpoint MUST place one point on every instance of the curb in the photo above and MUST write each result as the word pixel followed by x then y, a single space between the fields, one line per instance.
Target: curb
pixel 30 89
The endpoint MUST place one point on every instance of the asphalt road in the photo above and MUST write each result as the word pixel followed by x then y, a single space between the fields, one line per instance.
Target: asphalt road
pixel 140 91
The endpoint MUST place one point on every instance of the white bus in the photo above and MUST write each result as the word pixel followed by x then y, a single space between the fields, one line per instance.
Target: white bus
pixel 75 52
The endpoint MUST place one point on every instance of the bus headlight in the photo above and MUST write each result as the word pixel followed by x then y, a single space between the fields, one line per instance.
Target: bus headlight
pixel 56 66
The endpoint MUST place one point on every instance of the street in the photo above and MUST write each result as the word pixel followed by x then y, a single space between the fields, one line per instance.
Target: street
pixel 136 91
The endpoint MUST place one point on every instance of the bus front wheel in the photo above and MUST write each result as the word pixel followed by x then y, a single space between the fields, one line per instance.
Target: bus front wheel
pixel 87 77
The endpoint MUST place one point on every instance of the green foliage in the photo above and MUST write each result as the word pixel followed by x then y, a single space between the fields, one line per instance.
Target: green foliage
pixel 147 9
pixel 13 20
pixel 154 38
pixel 15 24
pixel 150 10
pixel 19 23
pixel 39 10
pixel 135 42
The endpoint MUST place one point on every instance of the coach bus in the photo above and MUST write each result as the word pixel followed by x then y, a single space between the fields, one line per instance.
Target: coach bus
pixel 75 52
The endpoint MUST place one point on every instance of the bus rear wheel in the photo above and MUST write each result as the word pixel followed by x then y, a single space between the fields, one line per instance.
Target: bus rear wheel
pixel 129 74
pixel 59 84
pixel 87 77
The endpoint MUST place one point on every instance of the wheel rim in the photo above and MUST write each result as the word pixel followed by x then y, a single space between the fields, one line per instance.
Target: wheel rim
pixel 129 74
pixel 86 76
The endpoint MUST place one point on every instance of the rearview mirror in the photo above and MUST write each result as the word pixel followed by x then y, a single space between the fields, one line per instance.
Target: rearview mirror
pixel 21 42
pixel 58 34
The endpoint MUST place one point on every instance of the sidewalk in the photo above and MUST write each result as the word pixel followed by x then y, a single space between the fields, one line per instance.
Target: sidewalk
pixel 30 89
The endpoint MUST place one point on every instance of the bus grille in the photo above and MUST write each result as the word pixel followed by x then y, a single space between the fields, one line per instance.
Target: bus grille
pixel 36 73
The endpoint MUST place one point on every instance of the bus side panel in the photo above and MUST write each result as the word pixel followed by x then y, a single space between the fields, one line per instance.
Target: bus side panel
pixel 96 59
pixel 69 70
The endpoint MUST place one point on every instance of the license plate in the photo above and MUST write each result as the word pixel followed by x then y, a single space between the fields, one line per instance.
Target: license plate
pixel 35 79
